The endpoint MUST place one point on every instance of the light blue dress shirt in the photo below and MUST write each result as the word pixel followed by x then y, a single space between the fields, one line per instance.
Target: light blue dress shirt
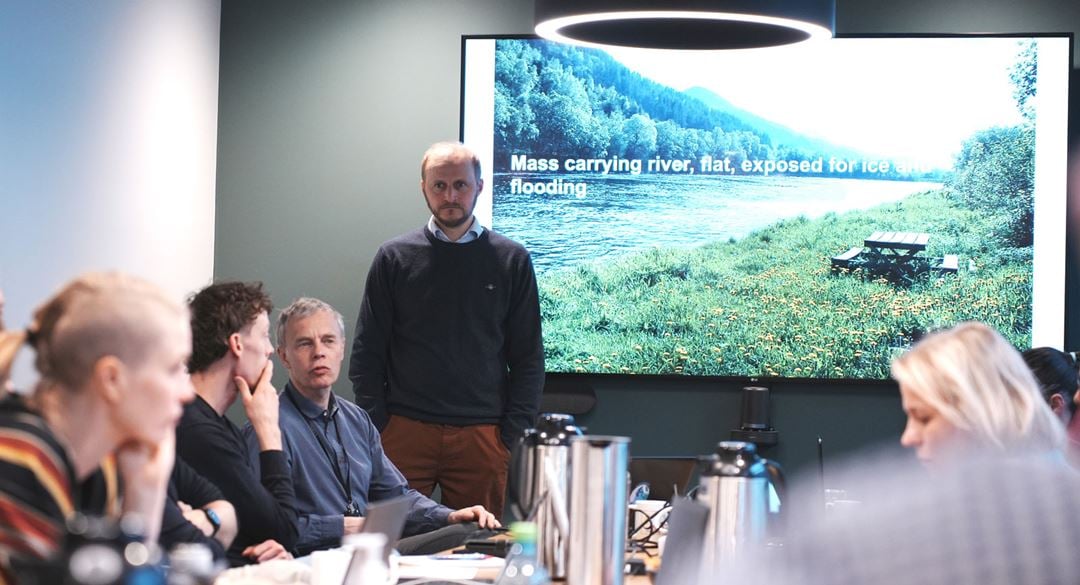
pixel 474 231
pixel 321 498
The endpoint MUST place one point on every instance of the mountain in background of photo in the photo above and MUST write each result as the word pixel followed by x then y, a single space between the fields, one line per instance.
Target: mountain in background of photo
pixel 778 133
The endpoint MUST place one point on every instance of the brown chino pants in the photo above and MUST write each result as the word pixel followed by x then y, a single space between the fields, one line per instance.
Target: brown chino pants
pixel 469 464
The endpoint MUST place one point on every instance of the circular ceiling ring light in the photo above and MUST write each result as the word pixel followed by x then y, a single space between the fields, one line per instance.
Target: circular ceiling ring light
pixel 685 25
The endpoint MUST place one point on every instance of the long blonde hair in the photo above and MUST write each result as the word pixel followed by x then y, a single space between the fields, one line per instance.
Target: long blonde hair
pixel 94 315
pixel 980 384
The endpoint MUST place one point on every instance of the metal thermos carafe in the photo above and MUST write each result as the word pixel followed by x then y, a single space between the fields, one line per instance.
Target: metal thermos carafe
pixel 734 485
pixel 542 470
pixel 598 510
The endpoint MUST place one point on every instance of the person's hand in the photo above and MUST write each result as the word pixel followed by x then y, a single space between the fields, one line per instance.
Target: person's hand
pixel 145 470
pixel 474 514
pixel 353 524
pixel 197 517
pixel 261 406
pixel 267 550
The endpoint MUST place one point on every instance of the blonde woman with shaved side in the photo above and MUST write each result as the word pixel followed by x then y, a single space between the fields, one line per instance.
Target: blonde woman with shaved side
pixel 967 390
pixel 111 351
pixel 9 345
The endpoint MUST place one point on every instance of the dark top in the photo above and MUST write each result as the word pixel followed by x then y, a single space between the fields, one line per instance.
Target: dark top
pixel 214 447
pixel 450 334
pixel 185 485
pixel 360 471
pixel 39 491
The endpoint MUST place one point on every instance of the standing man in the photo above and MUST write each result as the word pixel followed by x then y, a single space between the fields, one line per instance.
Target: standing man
pixel 448 358
pixel 337 461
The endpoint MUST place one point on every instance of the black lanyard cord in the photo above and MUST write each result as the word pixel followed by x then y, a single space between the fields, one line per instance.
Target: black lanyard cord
pixel 344 479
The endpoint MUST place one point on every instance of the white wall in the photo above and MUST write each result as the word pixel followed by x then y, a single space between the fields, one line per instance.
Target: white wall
pixel 108 132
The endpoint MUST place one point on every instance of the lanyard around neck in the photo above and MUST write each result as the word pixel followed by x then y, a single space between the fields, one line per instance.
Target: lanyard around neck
pixel 344 477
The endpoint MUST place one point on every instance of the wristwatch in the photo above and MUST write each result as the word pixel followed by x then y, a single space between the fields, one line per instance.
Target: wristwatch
pixel 215 521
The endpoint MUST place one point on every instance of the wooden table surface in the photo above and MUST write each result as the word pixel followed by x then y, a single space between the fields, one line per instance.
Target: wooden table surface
pixel 909 241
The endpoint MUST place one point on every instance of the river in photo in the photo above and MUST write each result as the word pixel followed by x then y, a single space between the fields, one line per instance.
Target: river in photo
pixel 619 215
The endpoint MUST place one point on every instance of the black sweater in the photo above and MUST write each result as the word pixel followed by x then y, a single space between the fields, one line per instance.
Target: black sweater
pixel 450 334
pixel 186 485
pixel 264 500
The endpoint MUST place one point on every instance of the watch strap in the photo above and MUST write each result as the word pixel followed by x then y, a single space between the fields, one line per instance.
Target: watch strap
pixel 214 519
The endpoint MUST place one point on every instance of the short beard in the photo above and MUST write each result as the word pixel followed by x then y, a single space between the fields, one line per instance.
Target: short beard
pixel 466 217
pixel 455 222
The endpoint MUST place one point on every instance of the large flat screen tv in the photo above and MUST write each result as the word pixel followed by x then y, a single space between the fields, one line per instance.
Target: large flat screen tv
pixel 798 212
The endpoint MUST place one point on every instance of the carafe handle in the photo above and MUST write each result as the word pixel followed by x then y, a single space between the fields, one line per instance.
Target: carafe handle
pixel 516 486
pixel 776 520
pixel 776 478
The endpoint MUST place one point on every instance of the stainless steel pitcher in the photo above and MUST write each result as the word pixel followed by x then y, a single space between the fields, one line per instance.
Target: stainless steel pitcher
pixel 598 510
pixel 734 485
pixel 542 486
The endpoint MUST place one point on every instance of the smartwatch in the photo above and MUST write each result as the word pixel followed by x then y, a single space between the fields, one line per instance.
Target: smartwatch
pixel 214 519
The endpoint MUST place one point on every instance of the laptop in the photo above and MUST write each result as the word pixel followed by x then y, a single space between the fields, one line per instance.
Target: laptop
pixel 665 475
pixel 684 550
pixel 386 517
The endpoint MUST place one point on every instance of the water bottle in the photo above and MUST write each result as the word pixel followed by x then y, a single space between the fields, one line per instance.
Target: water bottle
pixel 522 566
pixel 191 564
pixel 368 561
pixel 101 551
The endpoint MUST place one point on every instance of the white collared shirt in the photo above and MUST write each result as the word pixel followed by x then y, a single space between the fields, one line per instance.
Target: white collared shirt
pixel 474 231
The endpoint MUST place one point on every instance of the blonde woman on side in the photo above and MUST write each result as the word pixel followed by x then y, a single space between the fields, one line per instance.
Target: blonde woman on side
pixel 111 351
pixel 966 390
pixel 8 346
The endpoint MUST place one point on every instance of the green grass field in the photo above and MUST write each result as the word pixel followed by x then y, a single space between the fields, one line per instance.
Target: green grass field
pixel 769 304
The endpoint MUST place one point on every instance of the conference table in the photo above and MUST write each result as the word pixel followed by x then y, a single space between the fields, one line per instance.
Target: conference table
pixel 440 566
pixel 489 575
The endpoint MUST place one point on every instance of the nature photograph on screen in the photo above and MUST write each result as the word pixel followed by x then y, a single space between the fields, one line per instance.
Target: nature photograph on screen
pixel 799 212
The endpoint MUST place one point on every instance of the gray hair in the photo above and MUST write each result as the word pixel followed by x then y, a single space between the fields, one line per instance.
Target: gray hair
pixel 306 307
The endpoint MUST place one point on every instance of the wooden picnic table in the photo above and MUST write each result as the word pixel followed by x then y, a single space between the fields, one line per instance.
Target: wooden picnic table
pixel 894 255
pixel 902 245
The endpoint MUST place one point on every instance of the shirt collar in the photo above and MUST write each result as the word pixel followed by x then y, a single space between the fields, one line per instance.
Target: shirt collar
pixel 308 408
pixel 474 231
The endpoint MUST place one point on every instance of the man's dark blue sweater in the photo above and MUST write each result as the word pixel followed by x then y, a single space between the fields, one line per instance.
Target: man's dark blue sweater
pixel 450 334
